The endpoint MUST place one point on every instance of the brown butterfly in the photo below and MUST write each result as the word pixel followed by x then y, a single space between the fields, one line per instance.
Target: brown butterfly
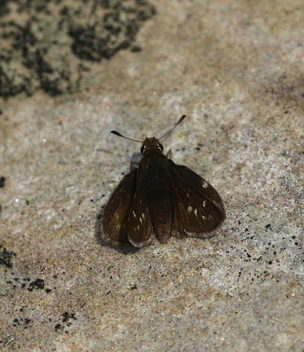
pixel 161 199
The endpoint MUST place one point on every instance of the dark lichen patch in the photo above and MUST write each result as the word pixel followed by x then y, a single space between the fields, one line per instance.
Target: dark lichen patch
pixel 6 257
pixel 21 322
pixel 67 317
pixel 65 322
pixel 44 42
pixel 2 181
pixel 37 284
pixel 59 328
pixel 23 283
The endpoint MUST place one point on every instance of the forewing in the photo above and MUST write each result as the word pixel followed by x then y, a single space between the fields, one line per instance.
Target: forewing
pixel 197 213
pixel 139 227
pixel 203 187
pixel 116 213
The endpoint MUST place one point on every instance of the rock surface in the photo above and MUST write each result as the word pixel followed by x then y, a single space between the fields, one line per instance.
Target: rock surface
pixel 236 69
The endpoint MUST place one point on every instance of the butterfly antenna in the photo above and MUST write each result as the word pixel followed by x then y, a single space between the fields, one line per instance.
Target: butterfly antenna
pixel 177 123
pixel 120 135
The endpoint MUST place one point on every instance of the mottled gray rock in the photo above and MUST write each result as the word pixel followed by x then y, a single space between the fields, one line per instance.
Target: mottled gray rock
pixel 236 69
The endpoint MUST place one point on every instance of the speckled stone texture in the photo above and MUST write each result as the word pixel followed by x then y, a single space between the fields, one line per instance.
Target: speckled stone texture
pixel 236 69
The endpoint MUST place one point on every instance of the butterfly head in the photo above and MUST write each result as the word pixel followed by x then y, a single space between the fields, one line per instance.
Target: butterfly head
pixel 151 144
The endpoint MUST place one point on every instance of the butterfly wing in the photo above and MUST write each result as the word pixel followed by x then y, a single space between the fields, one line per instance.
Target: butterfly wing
pixel 204 187
pixel 159 195
pixel 139 227
pixel 198 208
pixel 115 217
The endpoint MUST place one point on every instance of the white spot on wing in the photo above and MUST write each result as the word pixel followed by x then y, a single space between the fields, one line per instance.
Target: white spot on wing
pixel 205 184
pixel 204 217
pixel 189 209
pixel 134 214
pixel 195 212
pixel 143 216
pixel 204 203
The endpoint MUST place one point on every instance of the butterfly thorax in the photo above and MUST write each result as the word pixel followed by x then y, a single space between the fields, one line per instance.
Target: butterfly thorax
pixel 151 144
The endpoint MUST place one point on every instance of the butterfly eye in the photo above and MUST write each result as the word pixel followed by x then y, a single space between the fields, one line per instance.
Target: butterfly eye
pixel 142 149
pixel 160 146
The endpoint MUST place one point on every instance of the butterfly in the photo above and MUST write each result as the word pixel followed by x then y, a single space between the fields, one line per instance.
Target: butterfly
pixel 160 199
